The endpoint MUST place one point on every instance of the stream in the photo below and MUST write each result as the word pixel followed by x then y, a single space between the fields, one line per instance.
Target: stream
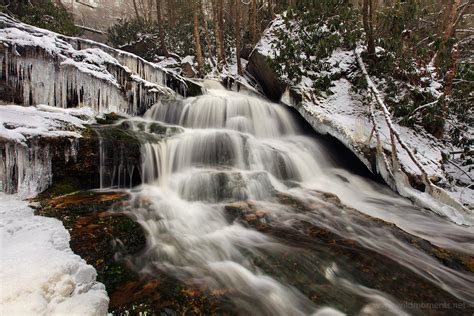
pixel 240 200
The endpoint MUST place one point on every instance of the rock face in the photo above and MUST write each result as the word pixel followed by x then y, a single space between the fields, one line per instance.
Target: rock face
pixel 41 67
pixel 261 71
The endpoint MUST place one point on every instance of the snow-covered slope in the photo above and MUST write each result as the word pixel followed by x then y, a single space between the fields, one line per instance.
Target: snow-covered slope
pixel 344 114
pixel 39 274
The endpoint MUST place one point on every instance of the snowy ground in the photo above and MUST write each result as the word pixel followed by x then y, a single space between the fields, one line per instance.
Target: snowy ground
pixel 346 117
pixel 39 273
pixel 18 123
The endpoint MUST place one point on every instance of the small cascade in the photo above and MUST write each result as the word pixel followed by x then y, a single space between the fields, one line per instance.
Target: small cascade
pixel 120 146
pixel 235 152
pixel 117 169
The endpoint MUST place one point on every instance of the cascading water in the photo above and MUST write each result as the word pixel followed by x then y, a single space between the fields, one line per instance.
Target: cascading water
pixel 240 152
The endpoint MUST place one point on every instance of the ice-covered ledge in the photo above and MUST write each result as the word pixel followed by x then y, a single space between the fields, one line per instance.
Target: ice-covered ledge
pixel 42 67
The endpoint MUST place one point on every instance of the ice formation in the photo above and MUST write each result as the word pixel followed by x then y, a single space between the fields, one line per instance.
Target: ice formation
pixel 28 139
pixel 41 67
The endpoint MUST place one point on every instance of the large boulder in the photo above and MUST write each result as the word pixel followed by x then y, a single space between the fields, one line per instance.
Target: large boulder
pixel 265 76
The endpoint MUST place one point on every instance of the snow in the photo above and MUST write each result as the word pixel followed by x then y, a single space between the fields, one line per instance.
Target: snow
pixel 39 273
pixel 188 59
pixel 52 69
pixel 344 115
pixel 266 45
pixel 17 123
pixel 25 158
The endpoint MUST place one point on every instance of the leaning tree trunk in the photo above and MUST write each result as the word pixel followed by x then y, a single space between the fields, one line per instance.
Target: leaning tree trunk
pixel 197 39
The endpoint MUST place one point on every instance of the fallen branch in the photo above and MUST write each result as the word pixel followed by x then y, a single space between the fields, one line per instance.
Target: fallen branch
pixel 85 28
pixel 394 133
pixel 461 169
pixel 380 150
pixel 440 197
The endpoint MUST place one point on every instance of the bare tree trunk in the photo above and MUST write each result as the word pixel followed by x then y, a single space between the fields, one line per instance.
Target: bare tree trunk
pixel 170 8
pixel 450 54
pixel 220 32
pixel 272 10
pixel 144 9
pixel 253 21
pixel 161 29
pixel 449 30
pixel 367 20
pixel 135 7
pixel 206 35
pixel 237 36
pixel 197 40
pixel 150 10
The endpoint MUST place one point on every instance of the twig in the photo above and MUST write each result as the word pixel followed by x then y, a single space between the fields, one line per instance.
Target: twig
pixel 373 89
pixel 461 170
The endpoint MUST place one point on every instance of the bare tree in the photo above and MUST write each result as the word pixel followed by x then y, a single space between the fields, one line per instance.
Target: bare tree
pixel 253 21
pixel 135 7
pixel 170 8
pixel 367 20
pixel 206 34
pixel 220 32
pixel 446 52
pixel 197 39
pixel 161 29
pixel 272 10
pixel 237 35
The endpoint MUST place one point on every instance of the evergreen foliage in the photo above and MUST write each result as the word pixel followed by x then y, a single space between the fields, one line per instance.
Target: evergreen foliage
pixel 41 13
pixel 312 31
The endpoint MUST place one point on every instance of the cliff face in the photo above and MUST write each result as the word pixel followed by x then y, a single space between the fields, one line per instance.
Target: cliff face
pixel 41 67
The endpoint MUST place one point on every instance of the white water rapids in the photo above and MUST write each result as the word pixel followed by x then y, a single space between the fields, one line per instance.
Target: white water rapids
pixel 233 147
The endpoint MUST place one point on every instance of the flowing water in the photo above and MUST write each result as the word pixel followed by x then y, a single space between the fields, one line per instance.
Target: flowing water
pixel 228 201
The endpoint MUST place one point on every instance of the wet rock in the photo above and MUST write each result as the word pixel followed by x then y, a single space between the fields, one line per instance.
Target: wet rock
pixel 250 218
pixel 323 246
pixel 237 209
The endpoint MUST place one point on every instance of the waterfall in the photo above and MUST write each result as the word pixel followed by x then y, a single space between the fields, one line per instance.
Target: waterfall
pixel 233 148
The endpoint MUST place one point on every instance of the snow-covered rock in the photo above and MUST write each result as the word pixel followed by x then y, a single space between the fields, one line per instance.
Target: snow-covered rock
pixel 39 274
pixel 42 67
pixel 27 144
